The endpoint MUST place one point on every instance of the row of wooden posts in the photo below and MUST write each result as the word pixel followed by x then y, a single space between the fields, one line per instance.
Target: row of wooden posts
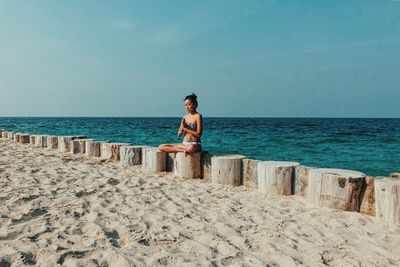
pixel 333 188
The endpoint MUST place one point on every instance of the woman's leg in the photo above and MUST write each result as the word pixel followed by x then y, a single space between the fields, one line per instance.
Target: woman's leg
pixel 172 148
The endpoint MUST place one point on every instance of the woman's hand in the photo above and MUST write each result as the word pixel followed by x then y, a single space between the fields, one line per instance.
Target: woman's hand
pixel 181 131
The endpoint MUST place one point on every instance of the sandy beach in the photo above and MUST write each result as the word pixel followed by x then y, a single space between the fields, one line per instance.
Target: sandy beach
pixel 73 211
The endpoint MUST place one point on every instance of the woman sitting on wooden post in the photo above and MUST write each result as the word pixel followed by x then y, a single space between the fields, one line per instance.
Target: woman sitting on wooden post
pixel 191 125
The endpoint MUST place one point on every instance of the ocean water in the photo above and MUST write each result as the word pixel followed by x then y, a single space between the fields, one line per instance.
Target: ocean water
pixel 371 146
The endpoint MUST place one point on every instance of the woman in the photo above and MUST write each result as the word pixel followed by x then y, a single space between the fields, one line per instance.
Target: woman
pixel 192 126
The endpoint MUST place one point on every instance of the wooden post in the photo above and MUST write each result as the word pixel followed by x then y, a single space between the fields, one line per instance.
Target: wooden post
pixel 336 188
pixel 24 138
pixel 227 170
pixel 32 139
pixel 92 148
pixel 4 134
pixel 41 140
pixel 187 166
pixel 368 197
pixel 300 180
pixel 206 173
pixel 153 159
pixel 170 162
pixel 64 142
pixel 78 145
pixel 131 155
pixel 387 199
pixel 16 137
pixel 10 135
pixel 249 173
pixel 52 142
pixel 275 177
pixel 110 151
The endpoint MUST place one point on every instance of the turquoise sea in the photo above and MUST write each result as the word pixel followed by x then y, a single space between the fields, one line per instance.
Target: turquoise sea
pixel 371 146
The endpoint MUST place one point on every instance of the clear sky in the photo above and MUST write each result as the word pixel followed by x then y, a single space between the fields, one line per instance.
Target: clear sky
pixel 242 58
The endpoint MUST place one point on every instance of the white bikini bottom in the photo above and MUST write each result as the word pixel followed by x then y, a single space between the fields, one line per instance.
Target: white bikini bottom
pixel 191 143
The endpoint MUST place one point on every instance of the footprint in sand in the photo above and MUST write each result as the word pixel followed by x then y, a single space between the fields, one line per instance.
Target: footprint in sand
pixel 28 258
pixel 29 216
pixel 112 236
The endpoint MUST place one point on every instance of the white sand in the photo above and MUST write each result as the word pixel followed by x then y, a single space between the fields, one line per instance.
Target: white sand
pixel 80 212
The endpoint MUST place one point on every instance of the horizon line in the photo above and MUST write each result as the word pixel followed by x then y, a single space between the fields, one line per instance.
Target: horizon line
pixel 211 117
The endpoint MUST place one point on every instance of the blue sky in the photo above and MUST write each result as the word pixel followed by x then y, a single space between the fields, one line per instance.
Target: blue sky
pixel 242 58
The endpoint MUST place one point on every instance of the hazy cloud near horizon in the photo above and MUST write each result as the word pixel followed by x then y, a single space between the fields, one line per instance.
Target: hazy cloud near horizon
pixel 256 59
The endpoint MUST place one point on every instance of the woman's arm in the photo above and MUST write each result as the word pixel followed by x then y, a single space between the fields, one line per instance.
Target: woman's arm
pixel 181 127
pixel 199 129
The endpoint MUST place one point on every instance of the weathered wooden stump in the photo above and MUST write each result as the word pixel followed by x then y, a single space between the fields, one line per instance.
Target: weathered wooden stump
pixel 300 184
pixel 93 148
pixel 387 199
pixel 78 146
pixel 32 139
pixel 41 140
pixel 16 137
pixel 250 173
pixel 153 159
pixel 227 169
pixel 52 142
pixel 24 138
pixel 395 174
pixel 336 188
pixel 4 134
pixel 206 173
pixel 131 155
pixel 170 162
pixel 64 142
pixel 275 177
pixel 10 135
pixel 187 166
pixel 111 151
pixel 368 197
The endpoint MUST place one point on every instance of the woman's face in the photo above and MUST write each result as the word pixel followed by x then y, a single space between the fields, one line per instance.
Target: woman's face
pixel 189 105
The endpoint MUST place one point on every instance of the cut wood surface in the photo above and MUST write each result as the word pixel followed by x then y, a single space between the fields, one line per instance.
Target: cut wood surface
pixel 227 169
pixel 52 142
pixel 336 188
pixel 249 173
pixel 387 199
pixel 275 177
pixel 301 180
pixel 131 155
pixel 153 159
pixel 187 166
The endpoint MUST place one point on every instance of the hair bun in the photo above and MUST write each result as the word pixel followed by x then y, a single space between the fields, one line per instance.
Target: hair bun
pixel 194 95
